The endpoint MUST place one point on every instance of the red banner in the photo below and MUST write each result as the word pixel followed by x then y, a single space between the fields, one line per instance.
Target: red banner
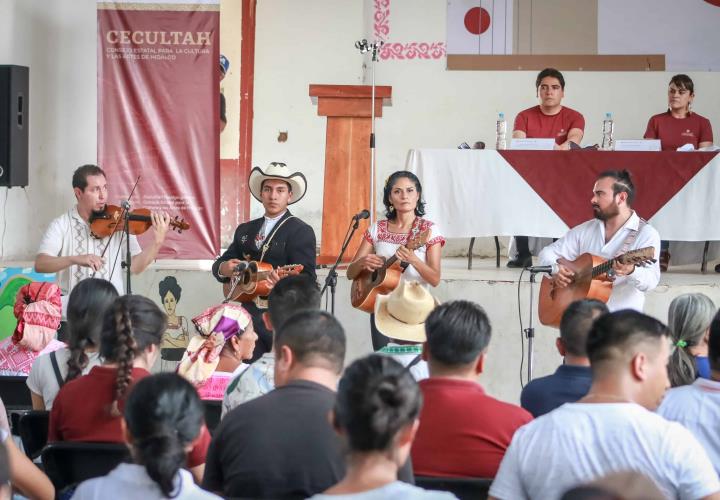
pixel 158 114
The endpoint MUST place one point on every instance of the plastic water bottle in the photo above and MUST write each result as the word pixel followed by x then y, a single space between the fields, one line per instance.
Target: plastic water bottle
pixel 608 128
pixel 500 132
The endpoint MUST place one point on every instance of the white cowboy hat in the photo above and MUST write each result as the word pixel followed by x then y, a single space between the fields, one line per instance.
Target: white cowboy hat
pixel 401 315
pixel 277 170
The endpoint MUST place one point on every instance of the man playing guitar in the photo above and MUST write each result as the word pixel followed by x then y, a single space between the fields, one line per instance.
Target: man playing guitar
pixel 615 230
pixel 278 238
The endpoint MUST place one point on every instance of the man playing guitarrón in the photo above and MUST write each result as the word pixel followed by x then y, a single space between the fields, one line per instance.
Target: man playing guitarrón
pixel 278 238
pixel 615 230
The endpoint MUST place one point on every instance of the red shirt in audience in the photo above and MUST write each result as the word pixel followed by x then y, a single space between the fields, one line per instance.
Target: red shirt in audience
pixel 81 412
pixel 538 125
pixel 463 432
pixel 675 132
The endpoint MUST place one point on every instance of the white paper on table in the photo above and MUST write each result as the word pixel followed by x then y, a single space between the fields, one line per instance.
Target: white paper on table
pixel 711 148
pixel 533 144
pixel 686 147
pixel 637 145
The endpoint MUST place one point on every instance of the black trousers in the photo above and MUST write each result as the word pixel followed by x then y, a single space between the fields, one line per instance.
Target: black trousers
pixel 522 245
pixel 378 339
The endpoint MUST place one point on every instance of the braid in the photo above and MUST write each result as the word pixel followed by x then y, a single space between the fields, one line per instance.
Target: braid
pixel 78 360
pixel 124 354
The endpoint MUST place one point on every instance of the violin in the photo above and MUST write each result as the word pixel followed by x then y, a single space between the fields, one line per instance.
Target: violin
pixel 112 220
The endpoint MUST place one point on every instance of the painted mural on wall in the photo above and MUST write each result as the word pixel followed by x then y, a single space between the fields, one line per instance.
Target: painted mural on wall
pixel 177 334
pixel 11 280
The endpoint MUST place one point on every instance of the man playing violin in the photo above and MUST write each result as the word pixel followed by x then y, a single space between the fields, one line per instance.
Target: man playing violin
pixel 69 249
pixel 278 238
pixel 615 230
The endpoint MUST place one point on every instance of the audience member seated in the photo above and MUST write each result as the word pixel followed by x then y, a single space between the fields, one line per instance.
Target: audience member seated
pixel 38 311
pixel 697 406
pixel 463 431
pixel 281 444
pixel 572 379
pixel 689 319
pixel 163 416
pixel 376 412
pixel 5 488
pixel 613 427
pixel 226 338
pixel 86 307
pixel 89 407
pixel 400 316
pixel 19 473
pixel 290 295
pixel 4 423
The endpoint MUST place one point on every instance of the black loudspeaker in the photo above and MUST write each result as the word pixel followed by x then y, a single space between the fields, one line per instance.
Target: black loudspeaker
pixel 14 101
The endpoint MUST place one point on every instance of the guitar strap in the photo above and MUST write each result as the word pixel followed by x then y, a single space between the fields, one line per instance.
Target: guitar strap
pixel 266 245
pixel 414 230
pixel 631 237
pixel 265 248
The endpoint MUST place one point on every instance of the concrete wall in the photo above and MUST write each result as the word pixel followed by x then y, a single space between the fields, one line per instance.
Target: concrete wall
pixel 57 40
pixel 297 43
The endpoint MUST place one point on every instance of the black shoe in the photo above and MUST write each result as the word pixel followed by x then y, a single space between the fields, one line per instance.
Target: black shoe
pixel 717 268
pixel 520 262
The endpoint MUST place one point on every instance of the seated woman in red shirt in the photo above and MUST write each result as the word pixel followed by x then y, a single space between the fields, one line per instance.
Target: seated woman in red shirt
pixel 676 127
pixel 89 408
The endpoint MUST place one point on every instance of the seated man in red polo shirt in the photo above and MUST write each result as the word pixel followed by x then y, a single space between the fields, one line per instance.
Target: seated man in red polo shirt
pixel 549 119
pixel 90 408
pixel 463 432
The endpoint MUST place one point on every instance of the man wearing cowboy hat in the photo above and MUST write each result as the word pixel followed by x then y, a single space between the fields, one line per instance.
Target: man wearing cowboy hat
pixel 278 238
pixel 400 316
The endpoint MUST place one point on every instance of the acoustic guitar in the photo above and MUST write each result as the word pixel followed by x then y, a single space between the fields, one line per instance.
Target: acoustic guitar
pixel 252 281
pixel 368 284
pixel 591 281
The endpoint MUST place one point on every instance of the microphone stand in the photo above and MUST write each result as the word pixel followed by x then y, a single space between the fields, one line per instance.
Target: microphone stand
pixel 372 134
pixel 530 330
pixel 373 47
pixel 128 254
pixel 331 279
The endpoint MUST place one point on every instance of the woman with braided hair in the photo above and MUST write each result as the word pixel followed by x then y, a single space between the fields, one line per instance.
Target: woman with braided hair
pixel 89 408
pixel 376 412
pixel 163 416
pixel 86 307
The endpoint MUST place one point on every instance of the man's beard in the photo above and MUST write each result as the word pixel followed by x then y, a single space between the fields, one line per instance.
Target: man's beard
pixel 606 214
pixel 98 213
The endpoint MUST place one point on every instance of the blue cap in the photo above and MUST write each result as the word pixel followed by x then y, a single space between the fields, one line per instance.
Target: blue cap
pixel 224 64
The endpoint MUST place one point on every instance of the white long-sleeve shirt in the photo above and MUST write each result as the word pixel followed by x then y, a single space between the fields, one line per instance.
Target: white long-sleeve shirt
pixel 628 291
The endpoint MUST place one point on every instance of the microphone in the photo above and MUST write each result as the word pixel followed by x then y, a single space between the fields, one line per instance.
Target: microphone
pixel 125 204
pixel 361 215
pixel 540 269
pixel 242 266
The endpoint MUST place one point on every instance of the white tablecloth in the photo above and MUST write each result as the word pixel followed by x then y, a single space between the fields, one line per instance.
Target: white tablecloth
pixel 478 193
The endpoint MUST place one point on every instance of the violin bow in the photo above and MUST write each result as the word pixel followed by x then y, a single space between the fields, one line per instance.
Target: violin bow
pixel 115 230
